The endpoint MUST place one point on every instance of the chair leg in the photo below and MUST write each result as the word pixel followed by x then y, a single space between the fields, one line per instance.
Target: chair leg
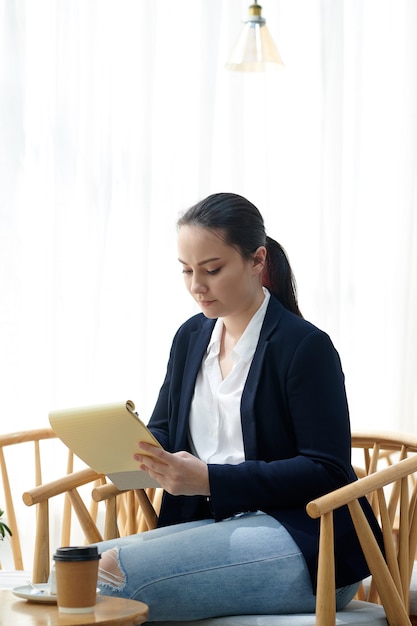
pixel 41 556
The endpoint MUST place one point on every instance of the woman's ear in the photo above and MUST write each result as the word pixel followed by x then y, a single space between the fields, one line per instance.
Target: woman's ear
pixel 259 259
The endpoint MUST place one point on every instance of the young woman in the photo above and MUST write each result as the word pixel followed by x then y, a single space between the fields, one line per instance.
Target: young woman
pixel 254 423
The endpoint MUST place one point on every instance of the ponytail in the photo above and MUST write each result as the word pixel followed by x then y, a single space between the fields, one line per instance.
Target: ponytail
pixel 278 277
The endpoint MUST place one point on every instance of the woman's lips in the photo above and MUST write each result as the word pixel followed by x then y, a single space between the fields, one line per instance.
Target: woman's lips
pixel 205 302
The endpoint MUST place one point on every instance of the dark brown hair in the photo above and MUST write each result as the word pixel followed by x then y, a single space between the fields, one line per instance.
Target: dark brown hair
pixel 242 226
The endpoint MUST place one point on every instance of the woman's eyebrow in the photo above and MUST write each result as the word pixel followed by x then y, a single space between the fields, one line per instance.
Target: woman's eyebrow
pixel 202 262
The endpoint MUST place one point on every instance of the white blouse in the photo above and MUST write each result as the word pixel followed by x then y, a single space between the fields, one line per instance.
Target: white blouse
pixel 215 429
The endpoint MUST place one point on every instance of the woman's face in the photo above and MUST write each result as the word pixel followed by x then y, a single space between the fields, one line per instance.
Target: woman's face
pixel 217 276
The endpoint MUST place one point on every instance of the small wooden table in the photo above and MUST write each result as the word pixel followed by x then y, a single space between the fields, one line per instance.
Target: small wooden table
pixel 108 611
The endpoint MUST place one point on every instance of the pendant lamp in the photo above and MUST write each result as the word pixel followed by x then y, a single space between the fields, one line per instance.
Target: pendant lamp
pixel 254 51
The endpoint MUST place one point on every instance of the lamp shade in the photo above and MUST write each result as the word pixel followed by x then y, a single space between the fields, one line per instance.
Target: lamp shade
pixel 254 51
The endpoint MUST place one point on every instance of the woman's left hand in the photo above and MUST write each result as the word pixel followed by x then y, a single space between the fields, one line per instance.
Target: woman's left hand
pixel 179 473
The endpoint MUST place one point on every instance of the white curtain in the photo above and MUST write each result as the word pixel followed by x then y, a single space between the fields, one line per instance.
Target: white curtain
pixel 115 115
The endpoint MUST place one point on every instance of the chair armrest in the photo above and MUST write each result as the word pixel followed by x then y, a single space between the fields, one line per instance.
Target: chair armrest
pixel 61 485
pixel 362 487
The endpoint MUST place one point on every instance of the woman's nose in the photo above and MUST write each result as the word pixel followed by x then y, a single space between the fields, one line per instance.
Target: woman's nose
pixel 197 286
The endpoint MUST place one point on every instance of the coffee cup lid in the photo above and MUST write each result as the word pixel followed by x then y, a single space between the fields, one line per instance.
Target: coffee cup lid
pixel 77 553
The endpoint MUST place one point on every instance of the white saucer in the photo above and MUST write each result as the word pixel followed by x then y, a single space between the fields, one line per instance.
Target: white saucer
pixel 40 594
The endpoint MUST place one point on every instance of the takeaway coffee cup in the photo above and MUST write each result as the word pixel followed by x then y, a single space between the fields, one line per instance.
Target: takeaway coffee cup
pixel 76 572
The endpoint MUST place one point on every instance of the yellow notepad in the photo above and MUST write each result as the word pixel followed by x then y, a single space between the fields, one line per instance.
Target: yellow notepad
pixel 106 437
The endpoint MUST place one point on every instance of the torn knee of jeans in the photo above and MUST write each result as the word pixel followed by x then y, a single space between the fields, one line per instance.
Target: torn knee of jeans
pixel 110 570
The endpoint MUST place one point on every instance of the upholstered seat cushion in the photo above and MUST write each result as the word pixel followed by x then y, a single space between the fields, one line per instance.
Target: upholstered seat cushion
pixel 13 578
pixel 413 591
pixel 356 612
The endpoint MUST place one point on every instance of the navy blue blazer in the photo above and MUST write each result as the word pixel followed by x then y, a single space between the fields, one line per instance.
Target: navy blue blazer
pixel 296 434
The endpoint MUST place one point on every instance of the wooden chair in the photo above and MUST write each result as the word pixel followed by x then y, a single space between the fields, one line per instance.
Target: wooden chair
pixel 37 453
pixel 26 450
pixel 378 450
pixel 390 574
pixel 40 455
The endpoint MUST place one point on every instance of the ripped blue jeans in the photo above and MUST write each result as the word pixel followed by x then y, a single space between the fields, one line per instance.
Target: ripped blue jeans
pixel 248 564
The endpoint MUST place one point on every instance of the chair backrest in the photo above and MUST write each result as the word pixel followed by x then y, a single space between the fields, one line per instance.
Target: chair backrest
pixel 393 493
pixel 378 449
pixel 35 456
pixel 21 451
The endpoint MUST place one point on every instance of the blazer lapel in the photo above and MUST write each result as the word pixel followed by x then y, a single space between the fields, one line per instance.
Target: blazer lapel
pixel 198 343
pixel 247 407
